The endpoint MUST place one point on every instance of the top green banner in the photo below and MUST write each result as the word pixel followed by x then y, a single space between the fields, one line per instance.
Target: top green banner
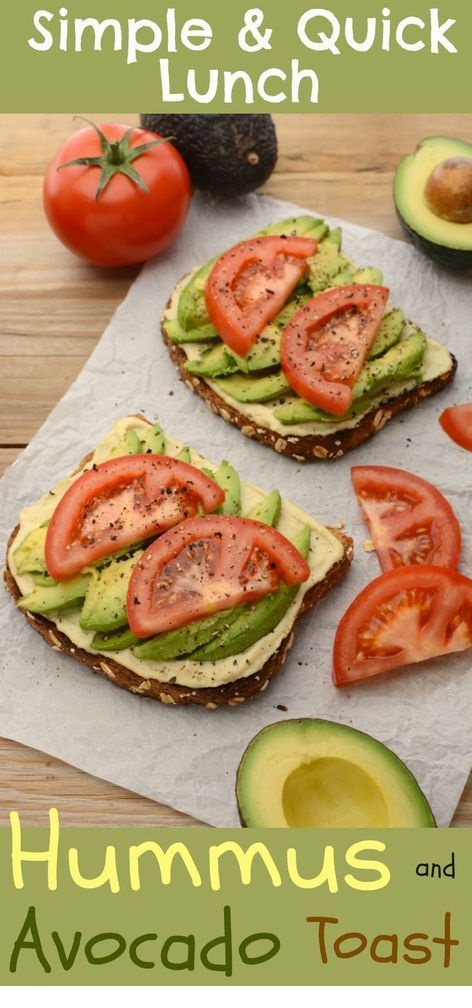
pixel 208 56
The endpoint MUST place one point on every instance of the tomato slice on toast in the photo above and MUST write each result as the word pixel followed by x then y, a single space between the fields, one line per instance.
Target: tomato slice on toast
pixel 326 342
pixel 250 284
pixel 408 615
pixel 456 421
pixel 206 565
pixel 409 520
pixel 121 502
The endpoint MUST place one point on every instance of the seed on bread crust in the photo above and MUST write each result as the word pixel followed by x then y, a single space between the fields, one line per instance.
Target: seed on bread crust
pixel 310 447
pixel 212 697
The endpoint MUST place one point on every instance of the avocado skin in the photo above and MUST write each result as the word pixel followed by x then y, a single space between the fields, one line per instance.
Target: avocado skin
pixel 404 186
pixel 227 155
pixel 248 780
pixel 454 259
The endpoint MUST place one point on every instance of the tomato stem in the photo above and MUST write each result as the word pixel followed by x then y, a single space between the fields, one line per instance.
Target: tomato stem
pixel 116 158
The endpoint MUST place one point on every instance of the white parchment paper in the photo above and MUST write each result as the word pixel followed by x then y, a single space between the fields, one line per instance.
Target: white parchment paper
pixel 186 757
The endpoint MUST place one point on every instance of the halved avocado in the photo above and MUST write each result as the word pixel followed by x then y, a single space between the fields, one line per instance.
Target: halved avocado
pixel 319 774
pixel 446 241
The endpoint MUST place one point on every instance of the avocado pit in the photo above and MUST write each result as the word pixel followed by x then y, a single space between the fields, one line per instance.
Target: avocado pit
pixel 448 190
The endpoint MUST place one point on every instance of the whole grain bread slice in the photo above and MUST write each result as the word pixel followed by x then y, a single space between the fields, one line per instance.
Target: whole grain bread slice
pixel 233 694
pixel 309 447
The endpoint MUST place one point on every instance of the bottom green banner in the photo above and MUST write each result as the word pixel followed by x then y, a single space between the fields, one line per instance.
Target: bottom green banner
pixel 231 907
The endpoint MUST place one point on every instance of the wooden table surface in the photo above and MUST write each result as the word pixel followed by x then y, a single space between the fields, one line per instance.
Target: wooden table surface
pixel 53 308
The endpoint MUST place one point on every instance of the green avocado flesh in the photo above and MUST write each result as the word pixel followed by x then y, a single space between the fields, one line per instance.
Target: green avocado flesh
pixel 62 595
pixel 318 774
pixel 105 602
pixel 258 377
pixel 402 361
pixel 447 241
pixel 255 621
pixel 101 592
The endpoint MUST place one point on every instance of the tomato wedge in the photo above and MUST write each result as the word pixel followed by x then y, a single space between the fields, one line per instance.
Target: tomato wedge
pixel 408 615
pixel 409 519
pixel 456 421
pixel 121 502
pixel 250 284
pixel 205 565
pixel 326 342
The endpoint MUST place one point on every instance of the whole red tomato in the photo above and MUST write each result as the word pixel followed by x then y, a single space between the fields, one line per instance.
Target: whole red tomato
pixel 123 199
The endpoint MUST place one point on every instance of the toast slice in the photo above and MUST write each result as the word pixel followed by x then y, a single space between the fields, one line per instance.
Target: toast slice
pixel 330 558
pixel 330 442
pixel 252 392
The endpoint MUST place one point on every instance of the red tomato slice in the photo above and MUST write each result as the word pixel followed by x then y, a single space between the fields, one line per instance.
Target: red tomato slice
pixel 407 615
pixel 409 520
pixel 120 502
pixel 250 284
pixel 326 342
pixel 456 421
pixel 205 565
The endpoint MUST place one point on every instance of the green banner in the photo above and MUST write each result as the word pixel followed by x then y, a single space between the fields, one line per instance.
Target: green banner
pixel 214 57
pixel 231 907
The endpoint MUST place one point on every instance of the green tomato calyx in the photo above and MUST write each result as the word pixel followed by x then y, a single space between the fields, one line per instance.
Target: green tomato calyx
pixel 117 158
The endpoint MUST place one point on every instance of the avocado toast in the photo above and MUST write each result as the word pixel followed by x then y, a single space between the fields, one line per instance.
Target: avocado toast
pixel 224 659
pixel 251 391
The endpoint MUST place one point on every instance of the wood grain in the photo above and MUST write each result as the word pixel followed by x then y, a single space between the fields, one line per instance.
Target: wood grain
pixel 53 308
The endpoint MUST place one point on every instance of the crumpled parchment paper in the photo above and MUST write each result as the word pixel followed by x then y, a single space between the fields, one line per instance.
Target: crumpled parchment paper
pixel 186 757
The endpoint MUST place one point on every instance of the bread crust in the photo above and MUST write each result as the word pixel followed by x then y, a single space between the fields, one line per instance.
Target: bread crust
pixel 233 694
pixel 310 447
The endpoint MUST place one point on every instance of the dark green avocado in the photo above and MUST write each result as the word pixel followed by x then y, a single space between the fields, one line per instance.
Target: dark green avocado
pixel 228 155
pixel 424 208
pixel 319 774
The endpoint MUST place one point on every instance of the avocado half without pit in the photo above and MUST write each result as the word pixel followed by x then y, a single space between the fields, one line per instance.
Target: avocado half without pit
pixel 319 774
pixel 433 199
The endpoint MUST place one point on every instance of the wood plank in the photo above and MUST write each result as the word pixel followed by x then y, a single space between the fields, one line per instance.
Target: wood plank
pixel 54 307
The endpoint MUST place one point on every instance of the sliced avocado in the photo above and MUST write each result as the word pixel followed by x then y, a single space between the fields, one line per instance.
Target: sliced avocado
pixel 219 360
pixel 402 361
pixel 343 279
pixel 105 602
pixel 325 265
pixel 192 311
pixel 302 227
pixel 265 352
pixel 29 555
pixel 268 511
pixel 319 774
pixel 178 335
pixel 228 479
pixel 449 242
pixel 257 620
pixel 118 641
pixel 184 455
pixel 247 389
pixel 388 333
pixel 368 275
pixel 59 596
pixel 153 440
pixel 184 640
pixel 43 580
pixel 398 362
pixel 128 445
pixel 336 236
